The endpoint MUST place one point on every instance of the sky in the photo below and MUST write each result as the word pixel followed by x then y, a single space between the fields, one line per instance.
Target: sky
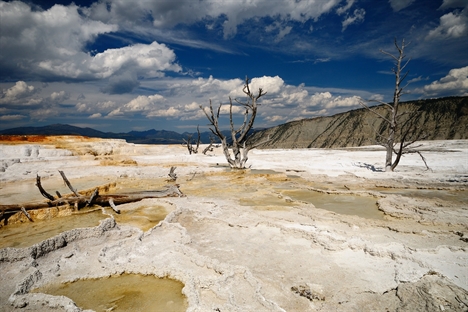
pixel 118 65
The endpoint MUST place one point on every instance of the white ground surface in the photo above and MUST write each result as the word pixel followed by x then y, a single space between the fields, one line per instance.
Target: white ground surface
pixel 239 242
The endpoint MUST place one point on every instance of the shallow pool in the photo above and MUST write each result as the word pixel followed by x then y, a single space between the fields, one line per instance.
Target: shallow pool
pixel 126 292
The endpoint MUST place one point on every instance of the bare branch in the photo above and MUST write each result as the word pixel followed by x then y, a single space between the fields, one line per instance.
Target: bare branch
pixel 23 210
pixel 113 206
pixel 41 189
pixel 68 183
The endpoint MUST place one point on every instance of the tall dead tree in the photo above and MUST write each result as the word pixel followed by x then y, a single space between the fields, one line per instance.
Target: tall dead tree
pixel 239 136
pixel 400 127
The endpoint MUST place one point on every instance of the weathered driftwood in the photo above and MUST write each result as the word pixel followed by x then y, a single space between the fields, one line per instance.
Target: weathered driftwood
pixel 172 175
pixel 79 200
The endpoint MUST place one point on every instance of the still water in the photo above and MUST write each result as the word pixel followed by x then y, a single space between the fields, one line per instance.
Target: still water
pixel 126 292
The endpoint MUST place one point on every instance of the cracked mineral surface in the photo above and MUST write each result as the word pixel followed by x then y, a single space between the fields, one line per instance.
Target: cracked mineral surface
pixel 262 239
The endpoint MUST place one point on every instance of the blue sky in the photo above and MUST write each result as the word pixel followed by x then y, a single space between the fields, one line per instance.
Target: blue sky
pixel 118 65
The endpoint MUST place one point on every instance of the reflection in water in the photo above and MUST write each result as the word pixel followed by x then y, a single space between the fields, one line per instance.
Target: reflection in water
pixel 365 207
pixel 127 292
pixel 21 235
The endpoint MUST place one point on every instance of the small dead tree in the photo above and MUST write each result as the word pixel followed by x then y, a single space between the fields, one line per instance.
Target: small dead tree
pixel 209 148
pixel 400 127
pixel 239 135
pixel 189 145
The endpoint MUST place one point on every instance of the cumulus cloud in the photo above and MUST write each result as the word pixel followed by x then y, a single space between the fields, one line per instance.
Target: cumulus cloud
pixel 269 84
pixel 452 25
pixel 52 43
pixel 20 90
pixel 21 94
pixel 58 97
pixel 95 116
pixel 455 83
pixel 398 5
pixel 147 105
pixel 30 37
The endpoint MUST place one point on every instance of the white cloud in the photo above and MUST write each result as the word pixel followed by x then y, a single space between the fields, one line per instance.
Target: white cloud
pixel 275 118
pixel 356 18
pixel 417 79
pixel 269 84
pixel 168 112
pixel 153 59
pixel 52 43
pixel 20 90
pixel 343 9
pixel 166 14
pixel 43 114
pixel 29 38
pixel 398 5
pixel 12 117
pixel 95 116
pixel 448 4
pixel 455 83
pixel 58 97
pixel 452 25
pixel 143 103
pixel 344 102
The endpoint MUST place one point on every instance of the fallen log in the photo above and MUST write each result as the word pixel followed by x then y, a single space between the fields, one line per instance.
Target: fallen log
pixel 79 200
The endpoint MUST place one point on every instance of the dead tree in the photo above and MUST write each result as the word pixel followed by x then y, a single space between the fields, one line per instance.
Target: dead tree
pixel 240 135
pixel 400 127
pixel 209 148
pixel 78 200
pixel 189 145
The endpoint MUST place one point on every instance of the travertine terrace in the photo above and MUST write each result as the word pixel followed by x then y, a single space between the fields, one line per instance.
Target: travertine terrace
pixel 239 241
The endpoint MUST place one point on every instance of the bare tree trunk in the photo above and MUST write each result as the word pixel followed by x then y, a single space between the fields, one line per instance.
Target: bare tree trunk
pixel 399 131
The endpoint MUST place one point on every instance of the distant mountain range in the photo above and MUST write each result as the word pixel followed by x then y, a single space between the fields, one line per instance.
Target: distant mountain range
pixel 139 137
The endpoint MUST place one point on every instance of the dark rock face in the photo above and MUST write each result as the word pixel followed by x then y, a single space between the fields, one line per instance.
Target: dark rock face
pixel 438 119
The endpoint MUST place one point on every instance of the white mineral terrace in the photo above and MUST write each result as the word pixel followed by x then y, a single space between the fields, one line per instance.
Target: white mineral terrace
pixel 265 239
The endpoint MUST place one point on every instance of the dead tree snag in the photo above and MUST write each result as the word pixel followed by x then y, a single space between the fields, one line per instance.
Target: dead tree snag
pixel 239 136
pixel 189 145
pixel 400 127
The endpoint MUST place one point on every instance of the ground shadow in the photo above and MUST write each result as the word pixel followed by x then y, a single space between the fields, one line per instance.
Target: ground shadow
pixel 368 166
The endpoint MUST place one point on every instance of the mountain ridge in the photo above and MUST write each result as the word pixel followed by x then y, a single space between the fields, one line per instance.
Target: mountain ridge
pixel 438 119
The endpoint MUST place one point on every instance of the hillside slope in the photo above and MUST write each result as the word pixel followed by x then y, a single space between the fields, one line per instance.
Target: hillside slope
pixel 439 119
